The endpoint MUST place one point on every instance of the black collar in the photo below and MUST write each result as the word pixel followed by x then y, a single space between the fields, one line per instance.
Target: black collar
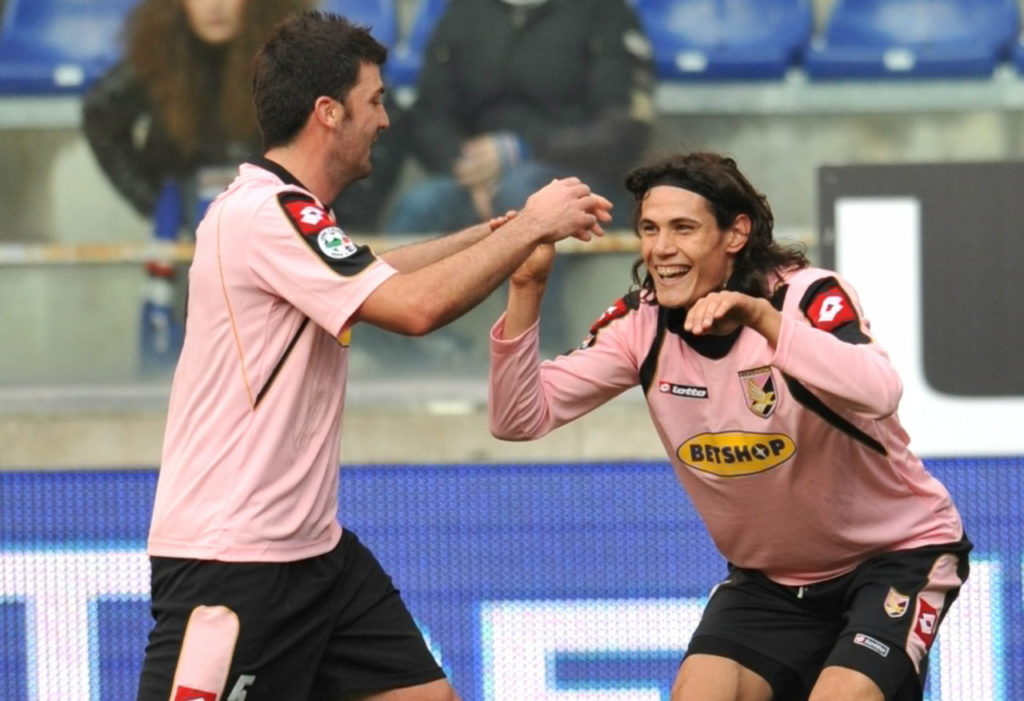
pixel 278 170
pixel 710 346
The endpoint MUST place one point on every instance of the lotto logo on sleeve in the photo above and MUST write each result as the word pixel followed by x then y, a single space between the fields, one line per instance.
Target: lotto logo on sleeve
pixel 307 216
pixel 831 308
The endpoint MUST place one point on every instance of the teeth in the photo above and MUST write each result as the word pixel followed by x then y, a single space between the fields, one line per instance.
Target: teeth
pixel 672 272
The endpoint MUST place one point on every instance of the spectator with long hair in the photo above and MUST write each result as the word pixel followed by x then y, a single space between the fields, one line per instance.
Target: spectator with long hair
pixel 180 100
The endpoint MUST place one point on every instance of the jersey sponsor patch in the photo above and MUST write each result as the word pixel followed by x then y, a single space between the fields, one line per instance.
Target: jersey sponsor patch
pixel 690 391
pixel 736 453
pixel 830 308
pixel 187 693
pixel 759 389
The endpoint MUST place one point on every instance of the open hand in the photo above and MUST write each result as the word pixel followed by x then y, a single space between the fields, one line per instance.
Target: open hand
pixel 721 313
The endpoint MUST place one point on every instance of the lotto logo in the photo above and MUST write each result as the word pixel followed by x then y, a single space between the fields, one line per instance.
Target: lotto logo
pixel 927 622
pixel 311 215
pixel 831 309
pixel 186 693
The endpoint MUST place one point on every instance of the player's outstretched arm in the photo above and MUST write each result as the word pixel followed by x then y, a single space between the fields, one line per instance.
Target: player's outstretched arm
pixel 420 301
pixel 526 291
pixel 414 256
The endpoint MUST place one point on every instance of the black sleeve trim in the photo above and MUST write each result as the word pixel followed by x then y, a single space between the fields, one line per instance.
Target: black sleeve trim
pixel 280 363
pixel 779 297
pixel 849 329
pixel 815 405
pixel 318 229
pixel 621 307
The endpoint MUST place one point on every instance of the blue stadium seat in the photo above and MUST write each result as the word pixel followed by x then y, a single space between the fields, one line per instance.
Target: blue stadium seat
pixel 379 15
pixel 871 39
pixel 58 46
pixel 403 67
pixel 726 39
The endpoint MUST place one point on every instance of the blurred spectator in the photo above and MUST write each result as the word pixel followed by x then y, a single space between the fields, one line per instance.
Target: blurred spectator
pixel 516 92
pixel 180 100
pixel 179 106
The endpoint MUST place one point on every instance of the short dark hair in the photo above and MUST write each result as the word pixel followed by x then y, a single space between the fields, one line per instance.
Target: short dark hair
pixel 308 55
pixel 718 179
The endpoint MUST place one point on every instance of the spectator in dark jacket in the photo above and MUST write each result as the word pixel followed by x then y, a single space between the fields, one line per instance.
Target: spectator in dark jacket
pixel 516 92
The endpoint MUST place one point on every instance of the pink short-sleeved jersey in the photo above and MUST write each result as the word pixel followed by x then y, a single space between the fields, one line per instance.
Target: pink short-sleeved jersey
pixel 793 456
pixel 250 457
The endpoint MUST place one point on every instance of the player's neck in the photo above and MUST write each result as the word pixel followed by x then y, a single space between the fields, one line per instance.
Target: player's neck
pixel 309 168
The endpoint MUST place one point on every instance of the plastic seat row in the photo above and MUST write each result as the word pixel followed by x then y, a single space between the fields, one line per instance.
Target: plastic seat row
pixel 862 39
pixel 54 46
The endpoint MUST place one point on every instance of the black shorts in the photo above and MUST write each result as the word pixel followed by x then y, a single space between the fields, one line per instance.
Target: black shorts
pixel 880 619
pixel 314 629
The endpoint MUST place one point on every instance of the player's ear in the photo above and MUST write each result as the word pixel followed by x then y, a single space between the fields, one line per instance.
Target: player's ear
pixel 738 233
pixel 328 111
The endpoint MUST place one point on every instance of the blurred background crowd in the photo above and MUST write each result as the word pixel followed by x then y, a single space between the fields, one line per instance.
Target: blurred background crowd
pixel 121 119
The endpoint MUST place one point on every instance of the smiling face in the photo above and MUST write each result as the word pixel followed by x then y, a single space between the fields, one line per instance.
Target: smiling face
pixel 215 21
pixel 682 246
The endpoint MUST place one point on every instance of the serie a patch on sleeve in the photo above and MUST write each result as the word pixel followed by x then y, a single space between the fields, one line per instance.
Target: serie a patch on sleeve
pixel 320 231
pixel 828 307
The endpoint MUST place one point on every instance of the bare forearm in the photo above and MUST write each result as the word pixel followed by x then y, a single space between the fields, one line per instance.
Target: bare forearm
pixel 426 298
pixel 767 321
pixel 523 309
pixel 414 256
pixel 433 294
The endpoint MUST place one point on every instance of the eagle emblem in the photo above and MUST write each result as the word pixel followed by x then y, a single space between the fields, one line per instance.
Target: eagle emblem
pixel 759 389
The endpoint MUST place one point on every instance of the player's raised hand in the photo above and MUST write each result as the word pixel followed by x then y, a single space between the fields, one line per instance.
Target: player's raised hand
pixel 535 269
pixel 566 207
pixel 721 313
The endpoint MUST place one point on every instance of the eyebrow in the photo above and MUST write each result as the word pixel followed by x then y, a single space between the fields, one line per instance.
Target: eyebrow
pixel 675 220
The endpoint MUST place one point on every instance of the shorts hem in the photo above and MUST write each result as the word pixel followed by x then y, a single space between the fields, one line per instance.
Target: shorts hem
pixel 398 682
pixel 783 680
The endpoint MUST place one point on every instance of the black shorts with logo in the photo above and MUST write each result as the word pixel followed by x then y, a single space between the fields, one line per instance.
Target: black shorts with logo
pixel 313 629
pixel 880 619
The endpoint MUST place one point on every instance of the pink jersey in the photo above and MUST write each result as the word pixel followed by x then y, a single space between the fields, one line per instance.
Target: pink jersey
pixel 250 457
pixel 794 457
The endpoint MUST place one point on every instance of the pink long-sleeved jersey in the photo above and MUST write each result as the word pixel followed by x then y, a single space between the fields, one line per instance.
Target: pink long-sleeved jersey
pixel 793 456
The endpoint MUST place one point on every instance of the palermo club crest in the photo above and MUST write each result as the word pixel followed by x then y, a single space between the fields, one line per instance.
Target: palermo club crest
pixel 759 389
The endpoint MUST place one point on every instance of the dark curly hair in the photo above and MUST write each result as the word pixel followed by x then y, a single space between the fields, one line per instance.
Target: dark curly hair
pixel 729 194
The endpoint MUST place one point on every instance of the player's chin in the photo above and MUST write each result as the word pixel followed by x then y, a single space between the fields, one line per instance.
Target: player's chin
pixel 364 171
pixel 671 297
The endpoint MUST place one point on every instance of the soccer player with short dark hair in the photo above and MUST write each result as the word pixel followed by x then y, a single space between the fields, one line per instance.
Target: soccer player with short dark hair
pixel 258 593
